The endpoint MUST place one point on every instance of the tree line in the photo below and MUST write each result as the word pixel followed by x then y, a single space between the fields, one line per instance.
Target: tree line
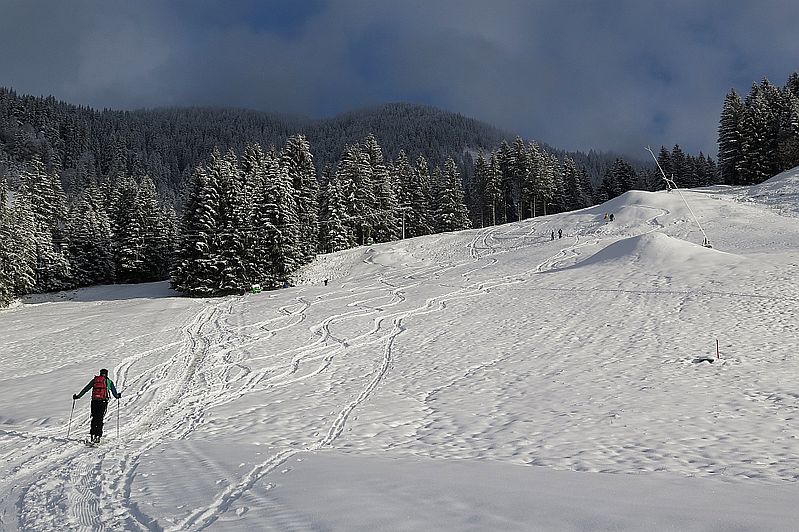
pixel 114 231
pixel 257 218
pixel 758 136
pixel 90 197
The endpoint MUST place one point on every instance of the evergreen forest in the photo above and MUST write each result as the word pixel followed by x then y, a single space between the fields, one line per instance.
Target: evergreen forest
pixel 217 200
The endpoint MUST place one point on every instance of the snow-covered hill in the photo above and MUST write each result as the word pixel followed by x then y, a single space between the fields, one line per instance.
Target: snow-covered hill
pixel 493 379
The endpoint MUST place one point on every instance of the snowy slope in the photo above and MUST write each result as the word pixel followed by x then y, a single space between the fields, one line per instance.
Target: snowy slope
pixel 491 379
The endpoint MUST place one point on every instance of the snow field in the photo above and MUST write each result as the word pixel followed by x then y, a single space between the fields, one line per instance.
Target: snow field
pixel 416 389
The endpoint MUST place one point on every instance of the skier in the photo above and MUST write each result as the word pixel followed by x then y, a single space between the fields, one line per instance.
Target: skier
pixel 611 217
pixel 553 235
pixel 560 233
pixel 99 385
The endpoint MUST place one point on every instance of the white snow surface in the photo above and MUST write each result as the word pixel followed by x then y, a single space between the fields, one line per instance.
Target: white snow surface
pixel 489 379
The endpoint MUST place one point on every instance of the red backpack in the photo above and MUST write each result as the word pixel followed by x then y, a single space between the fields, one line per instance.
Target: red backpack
pixel 100 390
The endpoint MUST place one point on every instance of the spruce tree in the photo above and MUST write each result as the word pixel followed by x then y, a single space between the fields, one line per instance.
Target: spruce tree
pixel 414 194
pixel 298 162
pixel 450 209
pixel 23 250
pixel 664 161
pixel 792 84
pixel 757 150
pixel 522 186
pixel 337 234
pixel 197 266
pixel 679 166
pixel 128 231
pixel 609 188
pixel 45 198
pixel 559 200
pixel 386 221
pixel 354 174
pixel 158 240
pixel 7 259
pixel 90 239
pixel 421 200
pixel 482 178
pixel 259 229
pixel 788 141
pixel 504 157
pixel 232 225
pixel 547 165
pixel 576 196
pixel 494 197
pixel 281 213
pixel 533 186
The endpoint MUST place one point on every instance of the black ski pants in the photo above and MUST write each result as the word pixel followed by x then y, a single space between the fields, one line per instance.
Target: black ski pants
pixel 99 406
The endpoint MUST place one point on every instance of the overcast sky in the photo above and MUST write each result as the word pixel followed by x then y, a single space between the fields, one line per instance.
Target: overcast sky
pixel 609 75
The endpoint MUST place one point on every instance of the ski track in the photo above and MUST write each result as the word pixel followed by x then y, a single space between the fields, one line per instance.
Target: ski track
pixel 203 517
pixel 59 485
pixel 172 396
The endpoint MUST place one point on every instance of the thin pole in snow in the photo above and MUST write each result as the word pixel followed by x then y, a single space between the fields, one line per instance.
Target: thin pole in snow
pixel 672 184
pixel 69 427
pixel 717 349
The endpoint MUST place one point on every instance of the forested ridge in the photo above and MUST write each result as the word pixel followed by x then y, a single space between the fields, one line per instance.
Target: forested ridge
pixel 220 199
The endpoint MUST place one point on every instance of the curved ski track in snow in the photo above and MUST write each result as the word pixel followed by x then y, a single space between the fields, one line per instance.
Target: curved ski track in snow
pixel 206 370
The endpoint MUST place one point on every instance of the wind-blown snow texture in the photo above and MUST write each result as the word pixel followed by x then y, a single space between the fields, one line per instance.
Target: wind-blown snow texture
pixel 491 379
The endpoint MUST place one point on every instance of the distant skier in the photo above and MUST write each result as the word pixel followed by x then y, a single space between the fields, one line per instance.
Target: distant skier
pixel 325 282
pixel 560 233
pixel 99 385
pixel 553 235
pixel 611 217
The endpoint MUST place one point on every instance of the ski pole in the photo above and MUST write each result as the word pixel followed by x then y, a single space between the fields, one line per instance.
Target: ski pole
pixel 69 427
pixel 118 401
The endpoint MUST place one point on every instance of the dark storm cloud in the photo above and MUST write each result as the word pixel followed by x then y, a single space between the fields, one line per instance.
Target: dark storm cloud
pixel 609 75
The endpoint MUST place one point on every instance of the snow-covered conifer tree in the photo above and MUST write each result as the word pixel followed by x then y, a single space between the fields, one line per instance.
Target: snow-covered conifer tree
pixel 90 239
pixel 197 265
pixel 298 161
pixel 280 211
pixel 788 141
pixel 481 179
pixel 386 219
pixel 127 230
pixel 450 209
pixel 354 175
pixel 232 222
pixel 546 176
pixel 421 199
pixel 335 234
pixel 575 195
pixel 47 204
pixel 6 257
pixel 157 231
pixel 493 193
pixel 504 158
pixel 757 147
pixel 619 178
pixel 22 252
pixel 522 185
pixel 413 196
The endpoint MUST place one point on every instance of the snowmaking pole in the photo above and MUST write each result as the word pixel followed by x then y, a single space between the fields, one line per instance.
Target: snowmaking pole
pixel 670 183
